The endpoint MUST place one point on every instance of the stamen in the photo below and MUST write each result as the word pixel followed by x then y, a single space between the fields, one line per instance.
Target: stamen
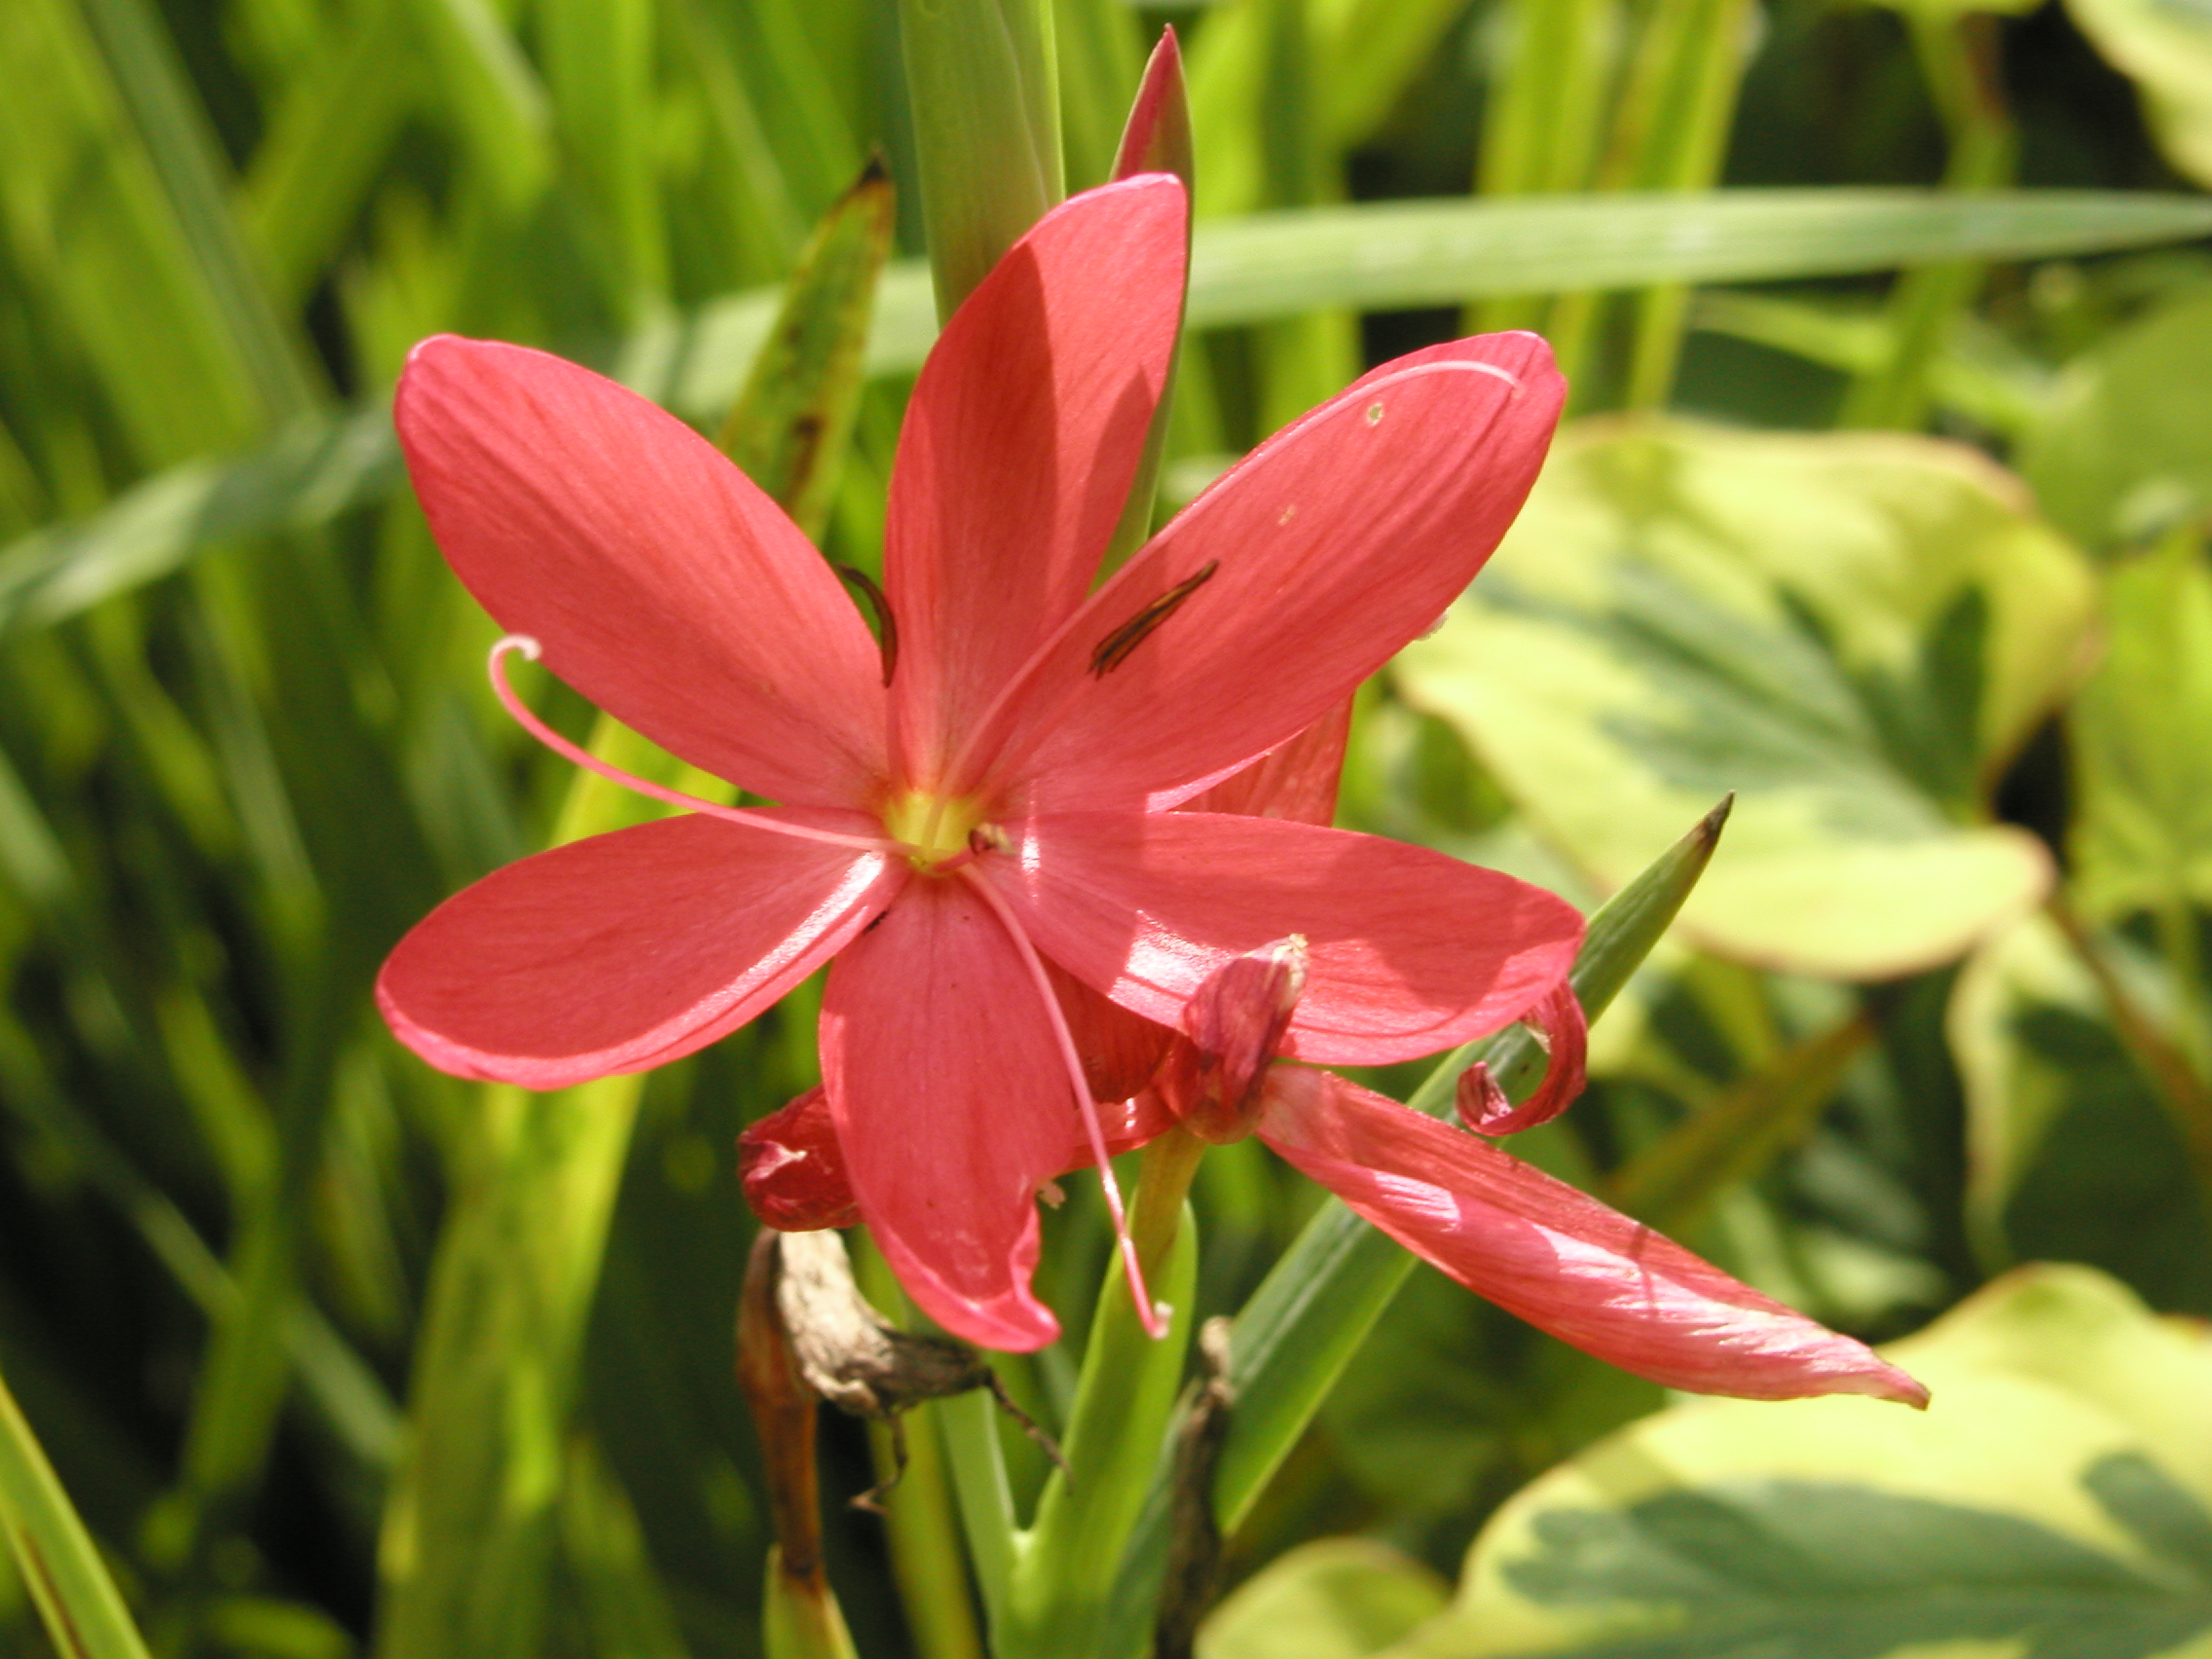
pixel 591 762
pixel 1114 648
pixel 1152 1315
pixel 886 624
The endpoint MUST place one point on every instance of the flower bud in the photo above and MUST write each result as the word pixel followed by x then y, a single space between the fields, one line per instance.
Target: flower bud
pixel 1232 1030
pixel 793 1173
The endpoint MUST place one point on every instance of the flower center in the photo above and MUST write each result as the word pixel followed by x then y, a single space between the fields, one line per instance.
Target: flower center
pixel 938 832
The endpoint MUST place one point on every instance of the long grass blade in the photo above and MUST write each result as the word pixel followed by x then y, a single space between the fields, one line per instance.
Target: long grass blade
pixel 1386 256
pixel 84 1611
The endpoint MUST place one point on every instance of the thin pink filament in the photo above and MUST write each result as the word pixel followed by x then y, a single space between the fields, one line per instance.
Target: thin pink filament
pixel 1149 1316
pixel 591 762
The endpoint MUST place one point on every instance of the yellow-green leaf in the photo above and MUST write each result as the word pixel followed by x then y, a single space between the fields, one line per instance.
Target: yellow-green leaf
pixel 1852 632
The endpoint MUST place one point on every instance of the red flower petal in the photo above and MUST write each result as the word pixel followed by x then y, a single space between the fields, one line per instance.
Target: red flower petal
pixel 1296 780
pixel 625 950
pixel 1019 446
pixel 661 583
pixel 1120 1050
pixel 1329 548
pixel 1410 951
pixel 1556 1257
pixel 953 1106
pixel 793 1169
pixel 1566 1030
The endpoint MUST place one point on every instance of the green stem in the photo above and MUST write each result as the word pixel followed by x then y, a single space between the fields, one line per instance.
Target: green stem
pixel 969 1423
pixel 984 90
pixel 1959 57
pixel 1064 1580
pixel 1544 118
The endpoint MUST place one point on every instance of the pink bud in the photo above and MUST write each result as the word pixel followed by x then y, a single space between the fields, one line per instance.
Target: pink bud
pixel 1232 1030
pixel 793 1171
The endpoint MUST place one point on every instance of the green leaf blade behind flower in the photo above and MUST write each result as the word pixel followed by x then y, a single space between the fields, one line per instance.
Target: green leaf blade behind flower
pixel 83 1610
pixel 789 428
pixel 984 90
pixel 1853 632
pixel 1384 256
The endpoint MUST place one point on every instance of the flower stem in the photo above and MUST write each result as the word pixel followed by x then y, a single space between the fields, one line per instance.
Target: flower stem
pixel 970 1426
pixel 983 85
pixel 918 1510
pixel 1063 1580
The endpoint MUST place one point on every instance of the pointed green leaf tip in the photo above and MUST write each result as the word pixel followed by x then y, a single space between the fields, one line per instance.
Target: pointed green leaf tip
pixel 1621 936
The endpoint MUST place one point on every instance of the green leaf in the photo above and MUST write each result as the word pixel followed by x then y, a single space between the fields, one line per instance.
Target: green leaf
pixel 1336 1599
pixel 88 217
pixel 491 96
pixel 2055 1499
pixel 329 133
pixel 599 65
pixel 2071 1155
pixel 2166 50
pixel 2125 449
pixel 2141 736
pixel 1853 632
pixel 791 425
pixel 1391 256
pixel 83 1610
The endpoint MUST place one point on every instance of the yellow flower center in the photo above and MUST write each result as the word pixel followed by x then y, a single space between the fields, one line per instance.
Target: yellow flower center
pixel 934 830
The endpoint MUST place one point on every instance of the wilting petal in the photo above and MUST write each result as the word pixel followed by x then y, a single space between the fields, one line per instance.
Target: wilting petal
pixel 1296 780
pixel 1329 548
pixel 1020 443
pixel 953 1107
pixel 625 950
pixel 793 1169
pixel 1556 1257
pixel 661 583
pixel 1410 951
pixel 1566 1031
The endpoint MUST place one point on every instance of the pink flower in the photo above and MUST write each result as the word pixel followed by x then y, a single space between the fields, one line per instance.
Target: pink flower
pixel 985 843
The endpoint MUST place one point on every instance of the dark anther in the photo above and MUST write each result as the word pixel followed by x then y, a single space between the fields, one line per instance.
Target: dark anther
pixel 1114 649
pixel 886 624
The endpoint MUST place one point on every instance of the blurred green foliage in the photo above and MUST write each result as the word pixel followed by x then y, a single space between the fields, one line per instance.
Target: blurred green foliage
pixel 253 1258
